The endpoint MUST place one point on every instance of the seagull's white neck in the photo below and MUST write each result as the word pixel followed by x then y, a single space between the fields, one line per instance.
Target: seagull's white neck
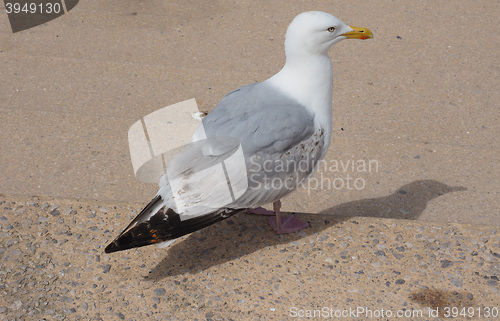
pixel 309 80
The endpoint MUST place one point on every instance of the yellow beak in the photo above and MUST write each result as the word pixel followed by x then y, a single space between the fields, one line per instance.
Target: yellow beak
pixel 358 33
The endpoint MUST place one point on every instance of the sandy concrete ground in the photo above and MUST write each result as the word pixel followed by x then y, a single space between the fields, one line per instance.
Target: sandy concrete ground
pixel 53 266
pixel 421 100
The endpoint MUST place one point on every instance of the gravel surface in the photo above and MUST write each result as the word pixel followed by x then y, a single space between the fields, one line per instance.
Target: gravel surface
pixel 53 266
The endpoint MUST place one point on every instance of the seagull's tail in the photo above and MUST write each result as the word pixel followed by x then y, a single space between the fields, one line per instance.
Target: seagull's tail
pixel 156 224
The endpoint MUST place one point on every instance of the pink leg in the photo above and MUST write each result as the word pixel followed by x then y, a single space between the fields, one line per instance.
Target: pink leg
pixel 287 223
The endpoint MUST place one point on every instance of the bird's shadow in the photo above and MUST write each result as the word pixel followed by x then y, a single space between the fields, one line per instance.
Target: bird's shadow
pixel 243 234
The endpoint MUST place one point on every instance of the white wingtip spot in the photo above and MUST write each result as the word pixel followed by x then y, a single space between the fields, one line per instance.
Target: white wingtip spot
pixel 198 115
pixel 165 244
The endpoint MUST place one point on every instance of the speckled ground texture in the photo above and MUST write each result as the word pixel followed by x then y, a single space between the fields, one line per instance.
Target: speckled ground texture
pixel 420 99
pixel 53 266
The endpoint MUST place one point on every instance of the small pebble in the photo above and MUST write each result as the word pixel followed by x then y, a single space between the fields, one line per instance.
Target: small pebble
pixel 160 291
pixel 492 283
pixel 446 263
pixel 106 268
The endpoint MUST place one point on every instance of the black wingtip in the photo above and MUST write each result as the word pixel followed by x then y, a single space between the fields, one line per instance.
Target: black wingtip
pixel 164 225
pixel 119 245
pixel 142 234
pixel 111 248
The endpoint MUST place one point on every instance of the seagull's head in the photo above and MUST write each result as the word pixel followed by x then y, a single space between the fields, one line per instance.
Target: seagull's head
pixel 314 32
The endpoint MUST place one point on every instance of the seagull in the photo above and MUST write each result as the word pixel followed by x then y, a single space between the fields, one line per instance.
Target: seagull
pixel 280 128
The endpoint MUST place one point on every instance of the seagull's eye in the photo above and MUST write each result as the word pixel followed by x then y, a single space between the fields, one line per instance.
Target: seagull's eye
pixel 331 29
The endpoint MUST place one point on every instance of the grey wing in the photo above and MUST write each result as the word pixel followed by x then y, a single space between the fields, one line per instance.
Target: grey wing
pixel 261 118
pixel 278 136
pixel 263 125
